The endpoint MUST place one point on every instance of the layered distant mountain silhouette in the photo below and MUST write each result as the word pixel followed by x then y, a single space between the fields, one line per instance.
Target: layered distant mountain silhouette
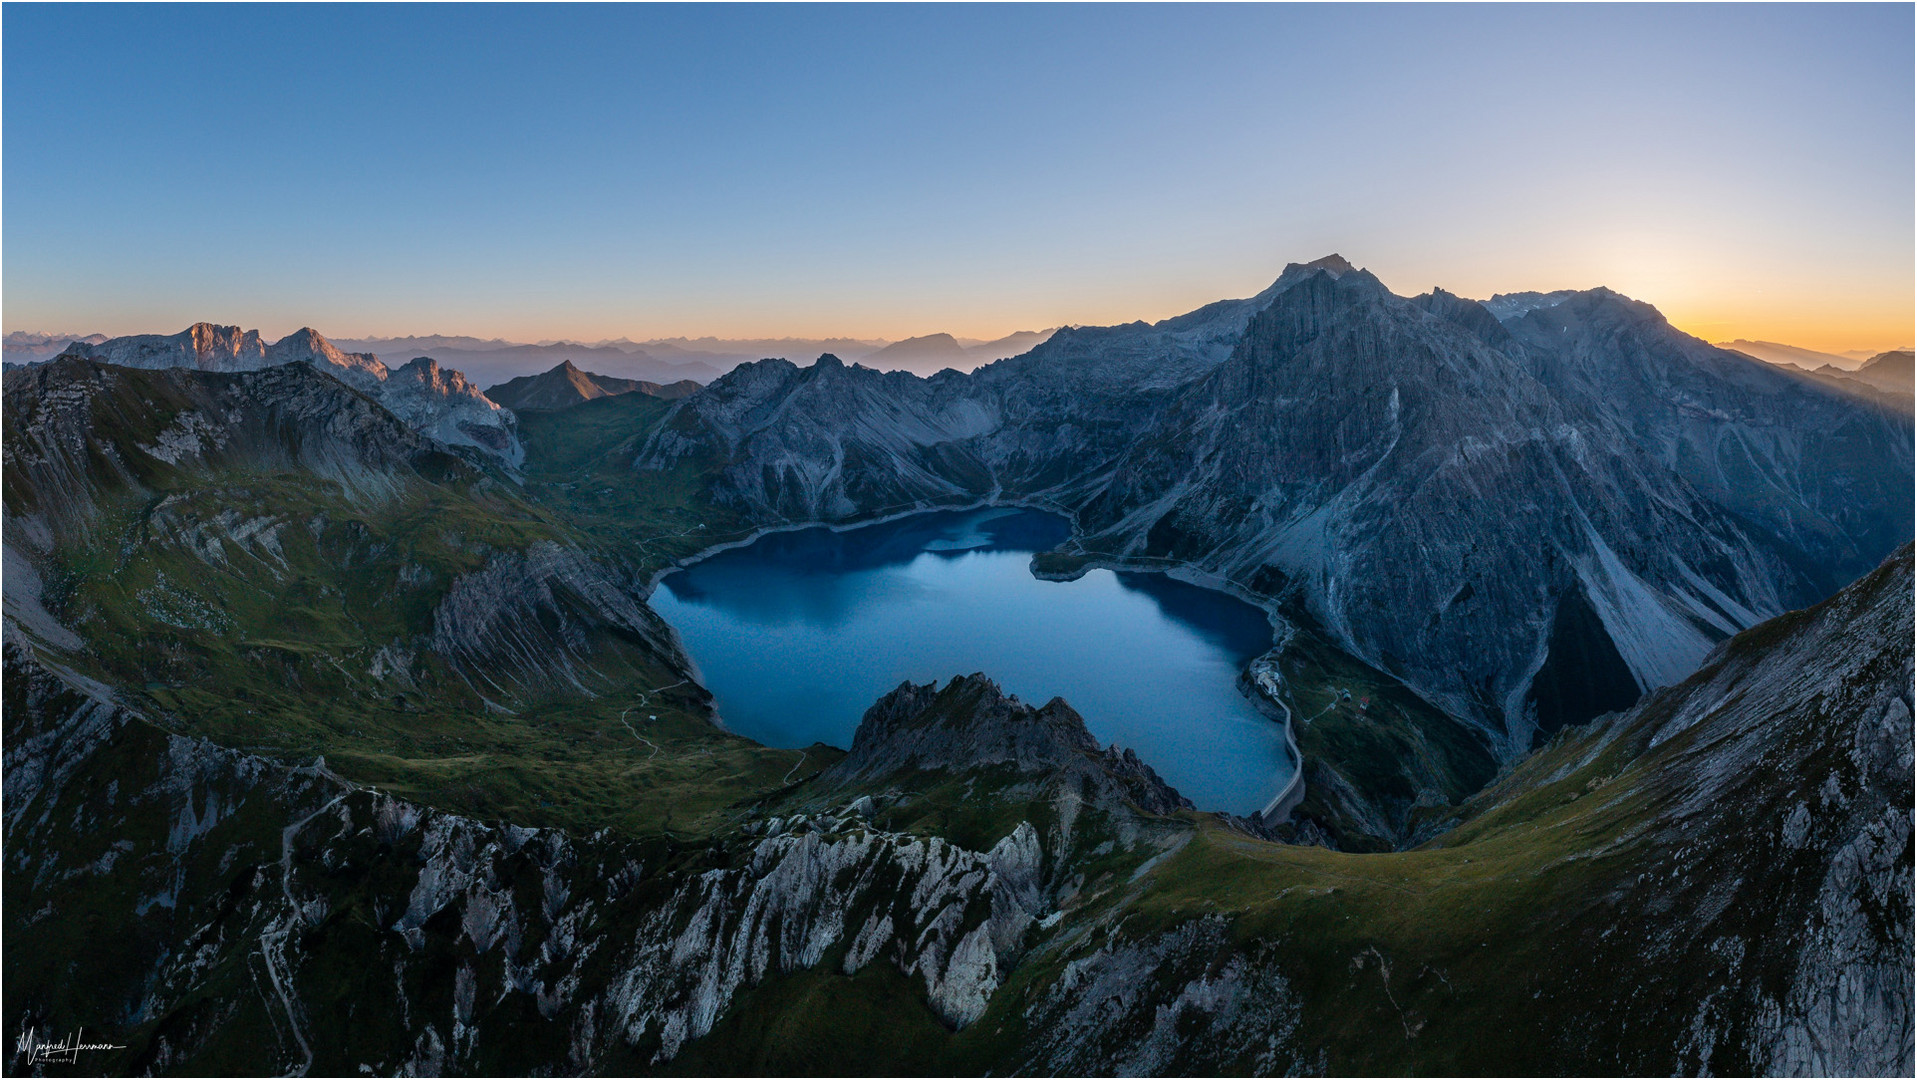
pixel 1808 359
pixel 496 362
pixel 29 347
pixel 566 385
pixel 923 355
pixel 933 353
pixel 1889 371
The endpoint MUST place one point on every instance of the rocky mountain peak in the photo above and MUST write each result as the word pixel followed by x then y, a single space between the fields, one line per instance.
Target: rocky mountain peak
pixel 828 361
pixel 1332 270
pixel 312 341
pixel 427 370
pixel 1333 264
pixel 208 339
pixel 361 371
pixel 1469 314
pixel 306 338
pixel 1508 306
pixel 972 723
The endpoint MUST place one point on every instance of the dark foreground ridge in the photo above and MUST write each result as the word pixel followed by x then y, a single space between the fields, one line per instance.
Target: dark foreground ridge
pixel 1719 878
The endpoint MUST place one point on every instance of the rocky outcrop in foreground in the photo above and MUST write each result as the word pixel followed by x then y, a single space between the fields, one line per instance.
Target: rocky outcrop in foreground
pixel 277 918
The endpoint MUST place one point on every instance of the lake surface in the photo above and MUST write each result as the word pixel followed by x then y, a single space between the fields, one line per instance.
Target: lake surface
pixel 798 633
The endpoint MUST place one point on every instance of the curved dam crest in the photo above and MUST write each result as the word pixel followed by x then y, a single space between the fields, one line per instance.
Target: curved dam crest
pixel 797 633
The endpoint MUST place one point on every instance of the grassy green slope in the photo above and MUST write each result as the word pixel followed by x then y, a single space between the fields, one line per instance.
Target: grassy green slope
pixel 1381 763
pixel 579 463
pixel 271 608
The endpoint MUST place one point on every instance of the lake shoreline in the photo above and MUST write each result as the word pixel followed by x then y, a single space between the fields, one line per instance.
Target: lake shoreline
pixel 790 636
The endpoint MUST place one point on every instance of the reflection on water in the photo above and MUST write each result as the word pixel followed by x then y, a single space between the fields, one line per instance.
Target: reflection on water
pixel 797 633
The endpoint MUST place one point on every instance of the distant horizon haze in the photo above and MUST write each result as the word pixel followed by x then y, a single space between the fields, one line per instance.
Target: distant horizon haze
pixel 534 172
pixel 1718 333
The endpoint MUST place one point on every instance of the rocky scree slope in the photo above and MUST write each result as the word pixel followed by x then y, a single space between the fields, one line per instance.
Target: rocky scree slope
pixel 1530 517
pixel 1716 880
pixel 440 403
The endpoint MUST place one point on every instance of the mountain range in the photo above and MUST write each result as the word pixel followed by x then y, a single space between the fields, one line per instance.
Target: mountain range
pixel 363 739
pixel 1466 501
pixel 935 352
pixel 662 361
pixel 1891 371
pixel 431 399
pixel 1809 359
pixel 493 362
pixel 28 347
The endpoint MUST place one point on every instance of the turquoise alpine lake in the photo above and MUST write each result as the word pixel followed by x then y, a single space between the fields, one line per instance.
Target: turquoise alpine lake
pixel 797 633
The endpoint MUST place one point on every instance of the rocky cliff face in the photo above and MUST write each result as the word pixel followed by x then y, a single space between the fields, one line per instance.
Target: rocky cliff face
pixel 1769 799
pixel 276 918
pixel 442 405
pixel 536 622
pixel 1529 516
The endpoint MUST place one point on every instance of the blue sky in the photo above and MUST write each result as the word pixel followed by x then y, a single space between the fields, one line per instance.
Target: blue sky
pixel 599 171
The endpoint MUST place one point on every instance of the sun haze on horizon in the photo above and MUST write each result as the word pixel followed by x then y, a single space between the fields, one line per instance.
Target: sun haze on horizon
pixel 593 172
